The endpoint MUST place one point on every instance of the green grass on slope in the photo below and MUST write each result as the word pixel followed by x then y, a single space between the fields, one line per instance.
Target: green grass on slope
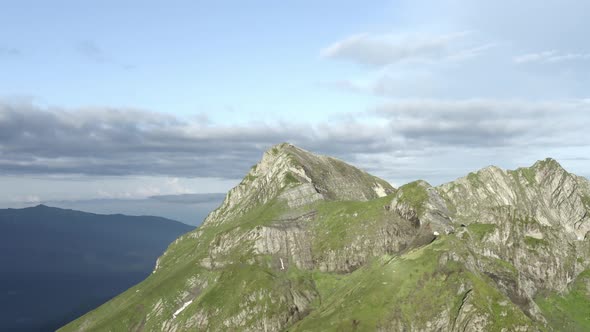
pixel 479 231
pixel 571 311
pixel 260 290
pixel 415 195
pixel 337 223
pixel 180 264
pixel 186 249
pixel 527 173
pixel 410 291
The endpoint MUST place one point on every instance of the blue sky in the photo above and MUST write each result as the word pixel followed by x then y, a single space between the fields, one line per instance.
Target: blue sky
pixel 224 59
pixel 261 60
pixel 127 99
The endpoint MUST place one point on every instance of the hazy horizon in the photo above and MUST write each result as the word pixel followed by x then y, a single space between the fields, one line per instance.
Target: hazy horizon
pixel 190 209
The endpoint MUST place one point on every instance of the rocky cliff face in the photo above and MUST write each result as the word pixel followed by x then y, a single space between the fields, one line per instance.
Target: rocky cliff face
pixel 535 218
pixel 308 243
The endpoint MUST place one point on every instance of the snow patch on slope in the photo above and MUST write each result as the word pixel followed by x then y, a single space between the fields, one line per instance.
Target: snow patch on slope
pixel 184 306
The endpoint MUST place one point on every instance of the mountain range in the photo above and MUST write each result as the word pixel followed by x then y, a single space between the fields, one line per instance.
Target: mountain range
pixel 309 243
pixel 58 264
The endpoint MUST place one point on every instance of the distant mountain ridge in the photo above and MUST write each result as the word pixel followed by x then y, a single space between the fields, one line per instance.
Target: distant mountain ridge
pixel 309 243
pixel 58 263
pixel 190 209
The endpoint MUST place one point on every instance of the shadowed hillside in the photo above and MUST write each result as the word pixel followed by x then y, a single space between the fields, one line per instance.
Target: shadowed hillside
pixel 58 264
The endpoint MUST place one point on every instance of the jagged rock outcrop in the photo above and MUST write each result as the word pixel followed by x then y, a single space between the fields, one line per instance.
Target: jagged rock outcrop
pixel 545 192
pixel 289 241
pixel 537 211
pixel 307 242
pixel 421 203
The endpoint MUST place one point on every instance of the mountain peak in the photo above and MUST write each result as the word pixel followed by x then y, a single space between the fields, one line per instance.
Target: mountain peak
pixel 299 177
pixel 547 170
pixel 547 163
pixel 279 155
pixel 287 147
pixel 282 146
pixel 286 153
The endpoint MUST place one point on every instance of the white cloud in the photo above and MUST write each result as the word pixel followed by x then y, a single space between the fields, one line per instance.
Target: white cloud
pixel 489 122
pixel 134 154
pixel 552 56
pixel 119 142
pixel 381 50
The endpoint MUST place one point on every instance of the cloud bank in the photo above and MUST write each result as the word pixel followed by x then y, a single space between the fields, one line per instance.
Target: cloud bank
pixel 122 142
pixel 488 122
pixel 108 141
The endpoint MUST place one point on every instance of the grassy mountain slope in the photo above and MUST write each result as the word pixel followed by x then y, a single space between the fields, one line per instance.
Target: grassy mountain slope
pixel 308 243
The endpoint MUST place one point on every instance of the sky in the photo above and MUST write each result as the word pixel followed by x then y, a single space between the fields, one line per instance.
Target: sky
pixel 133 99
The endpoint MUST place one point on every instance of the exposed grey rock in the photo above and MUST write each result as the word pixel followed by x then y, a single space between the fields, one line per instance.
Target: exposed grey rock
pixel 289 241
pixel 300 195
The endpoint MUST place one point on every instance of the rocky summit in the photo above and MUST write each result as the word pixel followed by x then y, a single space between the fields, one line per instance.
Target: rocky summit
pixel 310 243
